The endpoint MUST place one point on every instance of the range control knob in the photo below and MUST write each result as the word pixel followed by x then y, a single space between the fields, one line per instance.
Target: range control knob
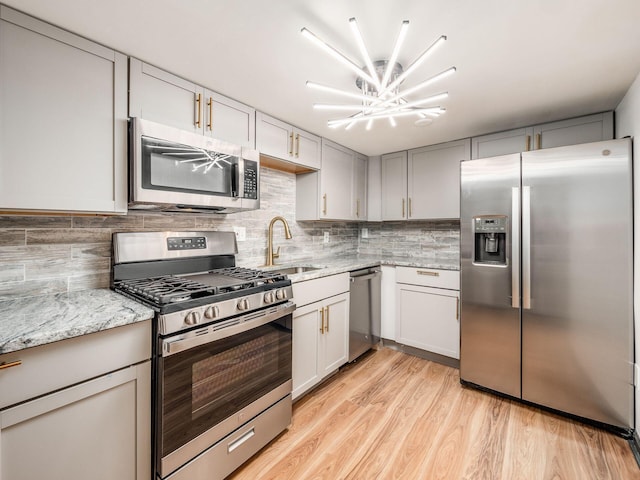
pixel 268 297
pixel 191 318
pixel 212 312
pixel 281 294
pixel 243 304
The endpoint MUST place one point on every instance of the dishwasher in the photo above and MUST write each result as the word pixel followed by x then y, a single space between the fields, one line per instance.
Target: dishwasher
pixel 364 311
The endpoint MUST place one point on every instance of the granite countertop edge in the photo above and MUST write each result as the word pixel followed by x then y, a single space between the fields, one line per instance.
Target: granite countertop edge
pixel 40 320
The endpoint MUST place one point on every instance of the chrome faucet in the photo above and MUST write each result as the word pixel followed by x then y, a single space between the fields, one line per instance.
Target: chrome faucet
pixel 287 234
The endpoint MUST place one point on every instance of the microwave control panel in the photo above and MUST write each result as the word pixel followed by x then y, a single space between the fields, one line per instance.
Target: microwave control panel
pixel 250 179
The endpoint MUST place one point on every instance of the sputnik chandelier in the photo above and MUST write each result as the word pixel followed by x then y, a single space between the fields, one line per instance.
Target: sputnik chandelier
pixel 379 92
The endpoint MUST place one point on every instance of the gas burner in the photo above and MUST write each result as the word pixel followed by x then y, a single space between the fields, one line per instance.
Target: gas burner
pixel 166 289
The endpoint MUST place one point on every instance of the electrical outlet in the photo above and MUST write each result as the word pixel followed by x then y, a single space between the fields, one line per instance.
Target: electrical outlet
pixel 241 233
pixel 364 232
pixel 326 238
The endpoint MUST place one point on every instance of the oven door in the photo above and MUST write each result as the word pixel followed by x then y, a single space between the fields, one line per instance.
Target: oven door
pixel 214 379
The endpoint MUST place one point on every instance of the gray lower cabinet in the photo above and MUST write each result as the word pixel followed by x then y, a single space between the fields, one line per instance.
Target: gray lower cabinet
pixel 63 120
pixel 166 98
pixel 99 428
pixel 586 129
pixel 320 330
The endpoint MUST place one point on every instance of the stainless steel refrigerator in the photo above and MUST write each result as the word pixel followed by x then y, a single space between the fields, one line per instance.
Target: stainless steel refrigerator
pixel 546 279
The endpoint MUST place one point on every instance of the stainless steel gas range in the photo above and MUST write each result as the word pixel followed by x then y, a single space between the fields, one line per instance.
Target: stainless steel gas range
pixel 222 349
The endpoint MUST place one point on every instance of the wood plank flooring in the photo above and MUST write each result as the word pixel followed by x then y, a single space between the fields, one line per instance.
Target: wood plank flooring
pixel 396 416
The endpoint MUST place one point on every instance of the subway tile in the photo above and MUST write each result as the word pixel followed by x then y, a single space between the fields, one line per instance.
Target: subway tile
pixel 35 221
pixel 68 236
pixel 91 250
pixel 11 272
pixel 13 237
pixel 32 288
pixel 65 268
pixel 91 280
pixel 128 222
pixel 175 222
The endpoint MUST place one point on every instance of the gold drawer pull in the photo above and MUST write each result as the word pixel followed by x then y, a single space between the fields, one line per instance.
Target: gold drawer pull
pixel 430 274
pixel 4 365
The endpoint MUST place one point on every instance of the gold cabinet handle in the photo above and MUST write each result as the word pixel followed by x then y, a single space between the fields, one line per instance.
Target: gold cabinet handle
pixel 291 144
pixel 322 320
pixel 15 363
pixel 410 213
pixel 297 145
pixel 327 317
pixel 358 208
pixel 428 273
pixel 403 208
pixel 199 110
pixel 458 308
pixel 527 143
pixel 324 204
pixel 210 105
pixel 538 141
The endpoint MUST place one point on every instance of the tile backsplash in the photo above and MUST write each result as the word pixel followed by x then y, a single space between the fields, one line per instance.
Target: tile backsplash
pixel 42 254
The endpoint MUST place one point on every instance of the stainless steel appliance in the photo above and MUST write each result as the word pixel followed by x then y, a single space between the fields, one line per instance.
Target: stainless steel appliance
pixel 364 311
pixel 546 279
pixel 175 170
pixel 222 349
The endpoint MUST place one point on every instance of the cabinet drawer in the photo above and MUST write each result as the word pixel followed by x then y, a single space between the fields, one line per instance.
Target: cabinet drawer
pixel 429 277
pixel 317 289
pixel 57 365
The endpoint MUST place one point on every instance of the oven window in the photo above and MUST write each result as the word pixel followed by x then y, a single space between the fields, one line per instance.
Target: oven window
pixel 207 384
pixel 177 167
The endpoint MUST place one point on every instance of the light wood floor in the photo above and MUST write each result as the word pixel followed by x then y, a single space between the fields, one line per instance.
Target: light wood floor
pixel 395 416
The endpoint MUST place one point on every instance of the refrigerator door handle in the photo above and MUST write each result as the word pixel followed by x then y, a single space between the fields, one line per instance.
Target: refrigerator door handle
pixel 526 247
pixel 515 247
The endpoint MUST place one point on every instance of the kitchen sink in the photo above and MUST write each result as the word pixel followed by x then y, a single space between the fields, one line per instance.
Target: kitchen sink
pixel 294 270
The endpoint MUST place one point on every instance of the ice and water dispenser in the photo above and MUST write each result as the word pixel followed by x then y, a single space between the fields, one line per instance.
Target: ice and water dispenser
pixel 490 240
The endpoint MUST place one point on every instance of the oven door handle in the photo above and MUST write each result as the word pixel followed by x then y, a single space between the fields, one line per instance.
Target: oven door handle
pixel 202 336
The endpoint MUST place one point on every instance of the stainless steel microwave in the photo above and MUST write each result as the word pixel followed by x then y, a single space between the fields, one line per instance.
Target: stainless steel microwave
pixel 175 170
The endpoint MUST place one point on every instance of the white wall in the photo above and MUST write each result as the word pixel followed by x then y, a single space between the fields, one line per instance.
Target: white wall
pixel 628 124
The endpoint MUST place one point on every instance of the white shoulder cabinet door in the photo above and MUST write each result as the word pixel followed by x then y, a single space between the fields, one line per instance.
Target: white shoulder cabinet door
pixel 587 129
pixel 165 98
pixel 360 184
pixel 306 357
pixel 63 120
pixel 434 180
pixel 278 139
pixel 502 143
pixel 336 182
pixel 394 186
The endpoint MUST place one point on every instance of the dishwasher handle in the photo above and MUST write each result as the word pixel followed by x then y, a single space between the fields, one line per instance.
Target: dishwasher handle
pixel 368 276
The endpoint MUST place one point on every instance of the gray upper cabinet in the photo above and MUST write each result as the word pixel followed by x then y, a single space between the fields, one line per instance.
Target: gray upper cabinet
pixel 165 98
pixel 63 120
pixel 338 191
pixel 434 180
pixel 278 139
pixel 423 183
pixel 590 128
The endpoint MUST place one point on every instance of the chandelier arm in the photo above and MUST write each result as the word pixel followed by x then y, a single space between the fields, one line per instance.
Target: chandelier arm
pixel 414 65
pixel 364 52
pixel 394 56
pixel 337 91
pixel 357 119
pixel 336 54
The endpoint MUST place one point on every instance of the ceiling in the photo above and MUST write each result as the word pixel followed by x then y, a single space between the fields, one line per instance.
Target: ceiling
pixel 518 63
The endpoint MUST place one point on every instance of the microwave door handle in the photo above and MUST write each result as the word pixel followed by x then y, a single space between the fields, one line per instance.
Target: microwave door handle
pixel 235 180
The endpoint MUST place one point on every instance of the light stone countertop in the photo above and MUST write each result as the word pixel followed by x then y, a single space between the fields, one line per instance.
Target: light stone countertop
pixel 335 265
pixel 32 321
